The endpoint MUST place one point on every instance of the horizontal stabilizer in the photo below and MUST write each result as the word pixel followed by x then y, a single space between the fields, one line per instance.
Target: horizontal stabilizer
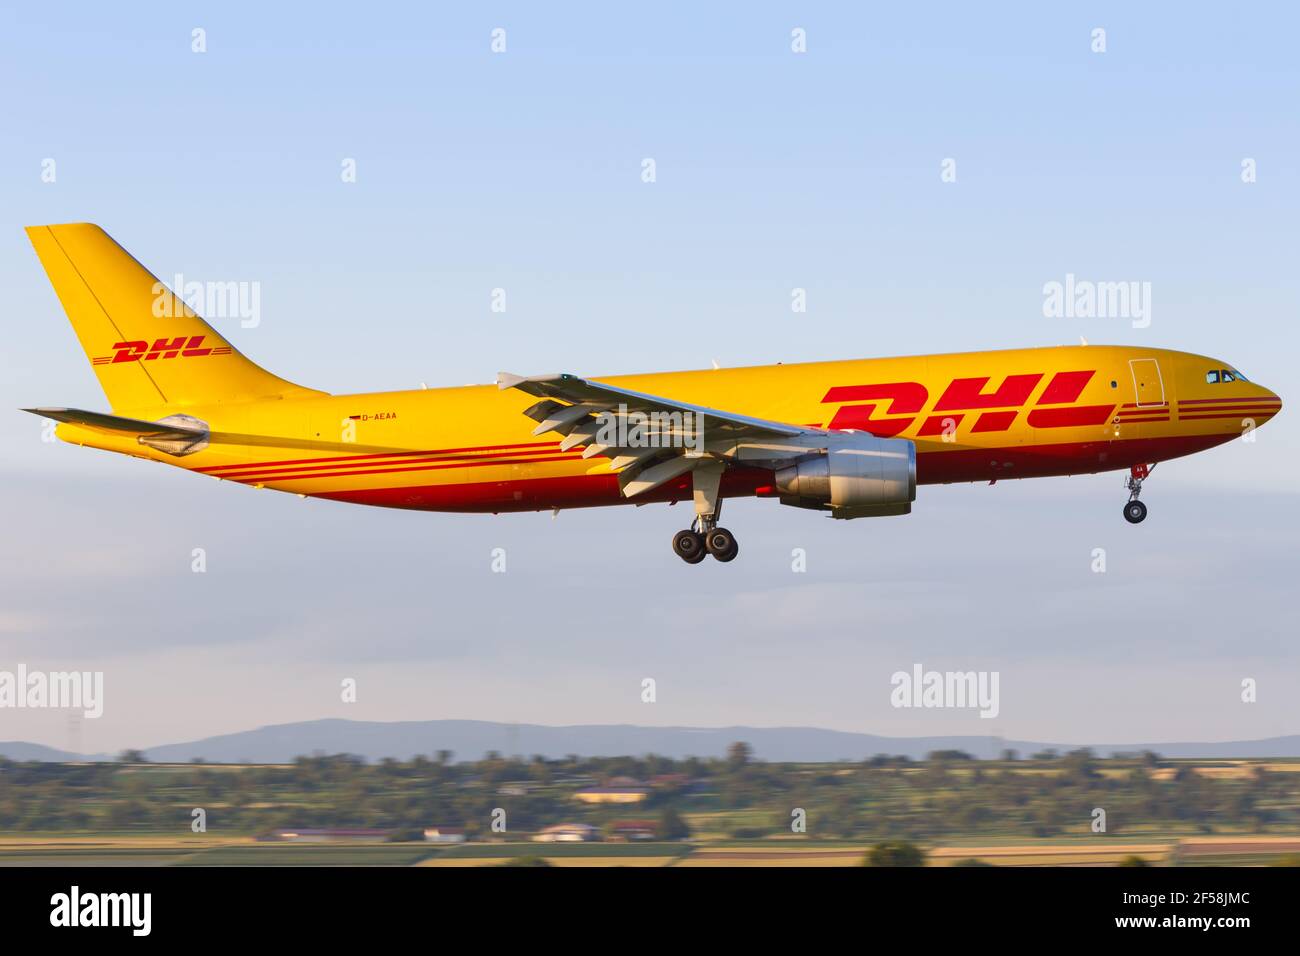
pixel 176 434
pixel 116 423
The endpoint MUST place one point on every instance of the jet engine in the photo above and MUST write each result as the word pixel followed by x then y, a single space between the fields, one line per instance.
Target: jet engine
pixel 859 476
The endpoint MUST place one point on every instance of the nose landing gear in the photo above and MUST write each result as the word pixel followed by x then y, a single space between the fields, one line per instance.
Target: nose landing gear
pixel 1135 512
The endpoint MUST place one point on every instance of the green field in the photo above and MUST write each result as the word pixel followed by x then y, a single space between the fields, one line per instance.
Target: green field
pixel 1035 810
pixel 155 850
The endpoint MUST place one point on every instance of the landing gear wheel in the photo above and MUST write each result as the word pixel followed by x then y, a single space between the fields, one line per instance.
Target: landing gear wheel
pixel 1135 511
pixel 721 544
pixel 689 546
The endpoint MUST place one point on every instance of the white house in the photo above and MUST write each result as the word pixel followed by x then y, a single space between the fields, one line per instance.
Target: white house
pixel 566 833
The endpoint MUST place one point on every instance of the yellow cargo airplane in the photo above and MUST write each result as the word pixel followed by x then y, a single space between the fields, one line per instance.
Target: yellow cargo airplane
pixel 851 438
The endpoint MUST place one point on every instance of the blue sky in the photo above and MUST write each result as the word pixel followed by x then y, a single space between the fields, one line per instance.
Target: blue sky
pixel 775 170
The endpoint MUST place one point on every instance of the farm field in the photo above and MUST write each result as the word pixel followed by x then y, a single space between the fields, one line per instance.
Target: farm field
pixel 950 808
pixel 163 851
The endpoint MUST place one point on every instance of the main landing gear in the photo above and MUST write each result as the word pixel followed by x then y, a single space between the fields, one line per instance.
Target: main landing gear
pixel 693 545
pixel 704 537
pixel 1135 511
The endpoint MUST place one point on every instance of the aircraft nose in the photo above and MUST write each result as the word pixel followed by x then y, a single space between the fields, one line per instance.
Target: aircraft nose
pixel 1269 402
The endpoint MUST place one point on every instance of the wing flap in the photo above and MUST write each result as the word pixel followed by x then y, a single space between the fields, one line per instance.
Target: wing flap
pixel 648 439
pixel 648 479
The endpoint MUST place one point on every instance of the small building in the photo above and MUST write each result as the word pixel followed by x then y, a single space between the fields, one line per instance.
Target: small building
pixel 632 830
pixel 611 794
pixel 444 835
pixel 566 833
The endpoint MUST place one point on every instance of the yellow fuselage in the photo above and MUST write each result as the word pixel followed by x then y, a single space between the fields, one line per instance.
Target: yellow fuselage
pixel 976 416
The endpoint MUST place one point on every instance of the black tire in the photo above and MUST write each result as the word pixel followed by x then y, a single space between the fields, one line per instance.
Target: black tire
pixel 689 546
pixel 1135 512
pixel 722 544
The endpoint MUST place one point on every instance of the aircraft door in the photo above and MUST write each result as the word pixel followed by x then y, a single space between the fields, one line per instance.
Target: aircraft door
pixel 1148 385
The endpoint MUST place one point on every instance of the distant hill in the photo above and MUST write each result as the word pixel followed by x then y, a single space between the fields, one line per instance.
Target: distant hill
pixel 470 739
pixel 17 750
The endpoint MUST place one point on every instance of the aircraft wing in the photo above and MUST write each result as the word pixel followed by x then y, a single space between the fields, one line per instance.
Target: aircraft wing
pixel 649 439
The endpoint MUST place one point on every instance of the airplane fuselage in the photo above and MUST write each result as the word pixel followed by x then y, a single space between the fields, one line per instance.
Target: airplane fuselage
pixel 975 416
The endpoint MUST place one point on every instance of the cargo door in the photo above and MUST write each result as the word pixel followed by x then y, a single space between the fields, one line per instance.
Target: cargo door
pixel 1148 386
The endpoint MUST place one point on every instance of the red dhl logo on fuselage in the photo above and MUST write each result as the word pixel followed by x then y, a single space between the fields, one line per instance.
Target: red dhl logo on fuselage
pixel 997 410
pixel 188 346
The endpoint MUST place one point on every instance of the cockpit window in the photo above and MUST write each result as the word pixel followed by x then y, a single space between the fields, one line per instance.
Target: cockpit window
pixel 1216 375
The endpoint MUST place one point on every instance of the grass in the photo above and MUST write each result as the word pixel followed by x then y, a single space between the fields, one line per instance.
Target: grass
pixel 311 855
pixel 158 849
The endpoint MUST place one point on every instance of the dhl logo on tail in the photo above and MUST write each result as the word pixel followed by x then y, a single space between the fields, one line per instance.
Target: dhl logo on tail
pixel 189 347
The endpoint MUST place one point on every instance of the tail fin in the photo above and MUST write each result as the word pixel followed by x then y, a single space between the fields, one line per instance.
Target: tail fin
pixel 146 346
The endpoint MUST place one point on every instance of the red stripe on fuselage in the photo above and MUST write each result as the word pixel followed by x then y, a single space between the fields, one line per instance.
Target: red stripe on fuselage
pixel 441 464
pixel 1207 409
pixel 1206 418
pixel 936 467
pixel 1236 401
pixel 264 465
pixel 537 494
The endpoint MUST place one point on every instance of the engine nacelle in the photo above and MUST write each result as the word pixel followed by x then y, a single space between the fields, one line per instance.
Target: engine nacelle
pixel 858 476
